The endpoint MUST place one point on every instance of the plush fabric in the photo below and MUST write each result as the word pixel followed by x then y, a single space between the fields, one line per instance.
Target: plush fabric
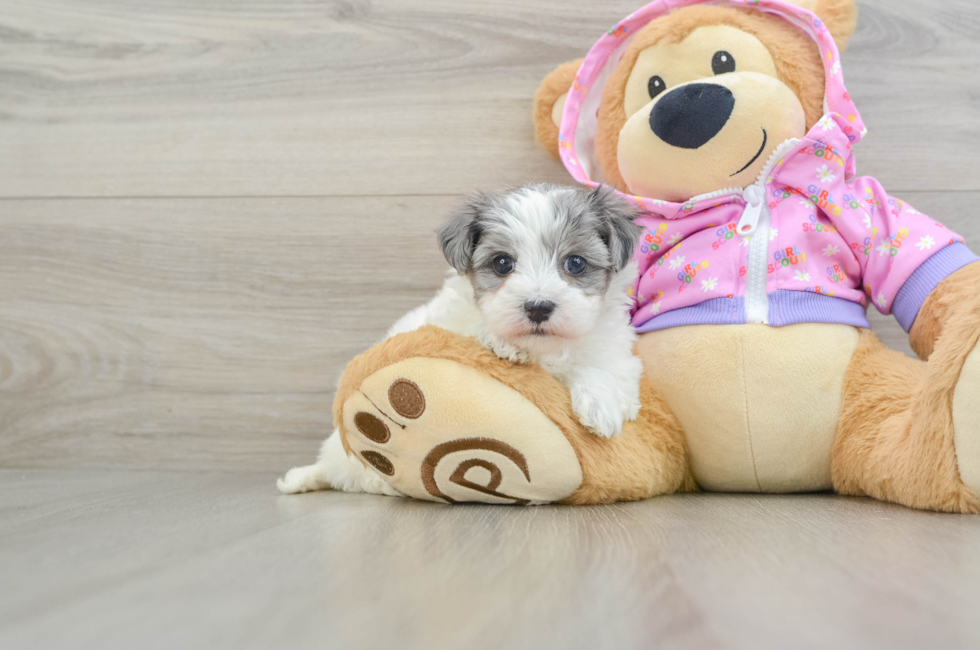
pixel 510 452
pixel 951 293
pixel 895 438
pixel 759 406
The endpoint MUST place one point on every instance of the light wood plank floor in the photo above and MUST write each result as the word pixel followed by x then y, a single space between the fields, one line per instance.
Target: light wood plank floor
pixel 156 559
pixel 207 207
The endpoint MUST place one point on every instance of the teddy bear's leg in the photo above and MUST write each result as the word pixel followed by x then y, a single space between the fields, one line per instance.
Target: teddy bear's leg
pixel 438 417
pixel 900 436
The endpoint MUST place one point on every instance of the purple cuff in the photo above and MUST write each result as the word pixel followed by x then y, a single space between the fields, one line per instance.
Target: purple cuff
pixel 927 277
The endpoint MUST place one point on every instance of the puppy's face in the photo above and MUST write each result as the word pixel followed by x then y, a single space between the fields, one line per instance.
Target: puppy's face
pixel 541 259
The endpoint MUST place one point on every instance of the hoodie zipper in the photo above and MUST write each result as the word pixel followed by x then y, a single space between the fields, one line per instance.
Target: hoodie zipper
pixel 756 224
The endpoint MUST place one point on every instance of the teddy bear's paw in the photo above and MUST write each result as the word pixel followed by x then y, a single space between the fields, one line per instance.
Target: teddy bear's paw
pixel 598 409
pixel 439 430
pixel 966 421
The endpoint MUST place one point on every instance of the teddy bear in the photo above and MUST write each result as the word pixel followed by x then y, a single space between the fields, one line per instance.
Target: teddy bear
pixel 728 124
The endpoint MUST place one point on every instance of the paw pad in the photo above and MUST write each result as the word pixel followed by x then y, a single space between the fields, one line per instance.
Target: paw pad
pixel 441 431
pixel 373 428
pixel 379 462
pixel 407 399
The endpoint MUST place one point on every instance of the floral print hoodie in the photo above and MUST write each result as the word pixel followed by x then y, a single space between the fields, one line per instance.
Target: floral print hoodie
pixel 809 242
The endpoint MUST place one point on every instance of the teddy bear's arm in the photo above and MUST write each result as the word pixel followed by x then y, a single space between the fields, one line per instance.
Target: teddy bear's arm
pixel 549 103
pixel 952 293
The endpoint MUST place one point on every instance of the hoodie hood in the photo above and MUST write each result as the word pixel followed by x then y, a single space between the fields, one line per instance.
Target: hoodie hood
pixel 579 120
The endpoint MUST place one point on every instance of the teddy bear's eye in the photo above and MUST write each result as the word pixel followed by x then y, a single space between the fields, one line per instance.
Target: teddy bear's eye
pixel 723 62
pixel 656 86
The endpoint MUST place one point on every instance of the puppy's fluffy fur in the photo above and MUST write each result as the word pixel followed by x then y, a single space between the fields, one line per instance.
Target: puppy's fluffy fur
pixel 541 275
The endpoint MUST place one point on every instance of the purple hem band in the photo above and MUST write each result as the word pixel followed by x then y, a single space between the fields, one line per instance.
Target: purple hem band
pixel 927 277
pixel 717 311
pixel 792 307
pixel 785 308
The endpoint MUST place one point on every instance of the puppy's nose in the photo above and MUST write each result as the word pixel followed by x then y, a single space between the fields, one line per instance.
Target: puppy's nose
pixel 539 312
pixel 690 116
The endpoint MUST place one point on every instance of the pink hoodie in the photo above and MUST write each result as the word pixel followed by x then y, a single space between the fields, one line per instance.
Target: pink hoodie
pixel 810 242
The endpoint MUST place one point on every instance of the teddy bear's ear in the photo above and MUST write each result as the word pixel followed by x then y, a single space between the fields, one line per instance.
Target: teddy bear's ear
pixel 840 16
pixel 549 103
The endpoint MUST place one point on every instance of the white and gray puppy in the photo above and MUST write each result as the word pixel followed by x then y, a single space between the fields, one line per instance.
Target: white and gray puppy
pixel 541 275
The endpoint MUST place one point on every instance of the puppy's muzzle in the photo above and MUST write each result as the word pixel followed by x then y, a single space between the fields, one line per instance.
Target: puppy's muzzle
pixel 691 116
pixel 540 311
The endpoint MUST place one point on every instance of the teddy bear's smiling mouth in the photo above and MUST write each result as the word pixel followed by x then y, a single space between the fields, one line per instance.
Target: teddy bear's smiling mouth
pixel 765 139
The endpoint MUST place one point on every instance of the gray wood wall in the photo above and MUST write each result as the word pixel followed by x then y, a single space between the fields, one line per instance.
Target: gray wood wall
pixel 207 207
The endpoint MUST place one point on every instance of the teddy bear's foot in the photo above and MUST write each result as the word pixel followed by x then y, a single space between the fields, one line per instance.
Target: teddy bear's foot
pixel 439 430
pixel 909 430
pixel 966 421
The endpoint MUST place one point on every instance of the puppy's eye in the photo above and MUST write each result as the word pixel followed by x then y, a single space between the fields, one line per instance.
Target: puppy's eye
pixel 722 62
pixel 503 265
pixel 656 86
pixel 575 264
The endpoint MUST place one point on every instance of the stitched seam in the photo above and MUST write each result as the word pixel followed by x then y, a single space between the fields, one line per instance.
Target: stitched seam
pixel 380 411
pixel 748 429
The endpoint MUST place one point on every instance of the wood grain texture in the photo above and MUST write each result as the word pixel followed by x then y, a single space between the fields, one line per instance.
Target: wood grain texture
pixel 203 560
pixel 159 331
pixel 350 97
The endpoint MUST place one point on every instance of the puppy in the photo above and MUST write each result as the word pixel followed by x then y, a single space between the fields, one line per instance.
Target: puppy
pixel 541 275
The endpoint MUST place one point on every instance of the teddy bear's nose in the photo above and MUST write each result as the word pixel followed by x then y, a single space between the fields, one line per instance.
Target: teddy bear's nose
pixel 690 116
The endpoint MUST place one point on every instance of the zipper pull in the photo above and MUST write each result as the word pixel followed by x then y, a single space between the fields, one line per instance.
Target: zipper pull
pixel 754 201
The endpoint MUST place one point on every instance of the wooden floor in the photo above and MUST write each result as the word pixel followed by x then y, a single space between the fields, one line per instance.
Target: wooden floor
pixel 207 207
pixel 155 559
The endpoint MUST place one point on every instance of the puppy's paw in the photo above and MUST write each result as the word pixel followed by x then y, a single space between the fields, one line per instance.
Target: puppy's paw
pixel 629 388
pixel 598 411
pixel 505 350
pixel 631 410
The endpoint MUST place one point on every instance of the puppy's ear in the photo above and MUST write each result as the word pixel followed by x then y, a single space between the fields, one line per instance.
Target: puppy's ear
pixel 617 227
pixel 460 234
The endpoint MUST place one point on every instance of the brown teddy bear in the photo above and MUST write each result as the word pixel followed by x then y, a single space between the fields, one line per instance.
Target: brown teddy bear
pixel 728 123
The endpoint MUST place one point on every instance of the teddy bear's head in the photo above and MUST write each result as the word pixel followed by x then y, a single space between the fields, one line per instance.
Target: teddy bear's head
pixel 703 96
